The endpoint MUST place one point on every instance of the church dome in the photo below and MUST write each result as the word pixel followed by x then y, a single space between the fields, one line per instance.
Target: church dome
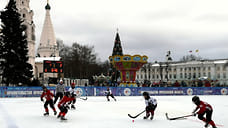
pixel 48 7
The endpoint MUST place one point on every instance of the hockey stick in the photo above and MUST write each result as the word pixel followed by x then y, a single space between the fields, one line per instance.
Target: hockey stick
pixel 136 115
pixel 83 98
pixel 176 118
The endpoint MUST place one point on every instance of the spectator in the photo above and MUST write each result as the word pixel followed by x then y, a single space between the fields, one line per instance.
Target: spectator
pixel 176 84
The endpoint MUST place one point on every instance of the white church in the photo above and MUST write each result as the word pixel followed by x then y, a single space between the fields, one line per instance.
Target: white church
pixel 47 48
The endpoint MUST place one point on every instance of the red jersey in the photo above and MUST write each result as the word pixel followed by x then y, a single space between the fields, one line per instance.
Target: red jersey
pixel 203 107
pixel 64 100
pixel 48 95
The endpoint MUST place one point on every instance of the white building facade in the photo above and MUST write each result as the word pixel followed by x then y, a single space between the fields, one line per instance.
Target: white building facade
pixel 27 16
pixel 212 70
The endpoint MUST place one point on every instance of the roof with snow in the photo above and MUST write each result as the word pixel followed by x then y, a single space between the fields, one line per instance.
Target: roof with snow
pixel 41 59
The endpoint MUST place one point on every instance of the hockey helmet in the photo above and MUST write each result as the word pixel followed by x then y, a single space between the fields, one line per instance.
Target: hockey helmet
pixel 196 100
pixel 146 94
pixel 44 87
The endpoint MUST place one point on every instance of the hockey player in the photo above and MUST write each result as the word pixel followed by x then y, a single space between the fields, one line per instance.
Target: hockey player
pixel 109 93
pixel 72 91
pixel 59 91
pixel 151 105
pixel 48 95
pixel 203 108
pixel 63 106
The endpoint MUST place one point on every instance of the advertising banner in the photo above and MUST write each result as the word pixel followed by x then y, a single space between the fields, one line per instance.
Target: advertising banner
pixel 117 91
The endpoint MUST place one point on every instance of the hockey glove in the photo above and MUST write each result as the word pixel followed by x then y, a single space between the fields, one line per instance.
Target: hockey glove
pixel 41 99
pixel 194 114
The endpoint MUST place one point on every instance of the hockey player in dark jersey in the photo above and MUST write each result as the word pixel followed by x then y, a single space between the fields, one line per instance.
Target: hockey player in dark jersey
pixel 151 105
pixel 49 101
pixel 63 106
pixel 109 93
pixel 202 109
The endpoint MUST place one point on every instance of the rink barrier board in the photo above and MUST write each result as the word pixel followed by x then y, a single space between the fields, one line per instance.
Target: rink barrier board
pixel 117 91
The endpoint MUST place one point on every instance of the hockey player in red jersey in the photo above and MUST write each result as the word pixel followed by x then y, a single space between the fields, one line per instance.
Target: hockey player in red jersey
pixel 48 95
pixel 63 106
pixel 151 105
pixel 202 109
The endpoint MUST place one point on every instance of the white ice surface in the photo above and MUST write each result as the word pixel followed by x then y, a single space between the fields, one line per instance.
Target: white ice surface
pixel 96 112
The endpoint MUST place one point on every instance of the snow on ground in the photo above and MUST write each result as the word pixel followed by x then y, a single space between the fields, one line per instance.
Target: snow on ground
pixel 96 112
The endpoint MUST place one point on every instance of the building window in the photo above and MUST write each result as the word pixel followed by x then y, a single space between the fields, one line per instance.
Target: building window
pixel 199 75
pixel 204 74
pixel 224 75
pixel 181 69
pixel 170 76
pixel 218 76
pixel 218 68
pixel 174 76
pixel 209 74
pixel 224 68
pixel 209 68
pixel 23 15
pixel 194 75
pixel 204 68
pixel 181 75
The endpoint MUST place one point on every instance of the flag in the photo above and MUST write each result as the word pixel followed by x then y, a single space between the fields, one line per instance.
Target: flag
pixel 197 50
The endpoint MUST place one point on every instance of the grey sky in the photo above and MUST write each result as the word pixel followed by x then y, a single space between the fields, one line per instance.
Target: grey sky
pixel 149 27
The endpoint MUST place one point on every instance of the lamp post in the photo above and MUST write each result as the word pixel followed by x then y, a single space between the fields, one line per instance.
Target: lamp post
pixel 168 60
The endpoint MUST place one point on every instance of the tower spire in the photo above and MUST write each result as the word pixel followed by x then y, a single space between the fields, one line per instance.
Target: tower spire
pixel 48 7
pixel 48 45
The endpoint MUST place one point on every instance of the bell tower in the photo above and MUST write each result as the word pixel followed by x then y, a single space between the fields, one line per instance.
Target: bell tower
pixel 48 46
pixel 27 15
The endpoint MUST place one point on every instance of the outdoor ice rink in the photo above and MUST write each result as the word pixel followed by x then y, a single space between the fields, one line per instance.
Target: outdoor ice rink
pixel 96 112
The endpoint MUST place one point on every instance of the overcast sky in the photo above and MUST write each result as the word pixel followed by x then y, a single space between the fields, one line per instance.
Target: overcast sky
pixel 149 27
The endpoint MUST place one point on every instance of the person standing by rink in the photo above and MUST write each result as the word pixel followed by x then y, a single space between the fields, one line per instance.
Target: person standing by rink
pixel 151 105
pixel 48 95
pixel 59 91
pixel 202 109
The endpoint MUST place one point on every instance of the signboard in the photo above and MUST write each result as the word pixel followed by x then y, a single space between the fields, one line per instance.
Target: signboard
pixel 52 66
pixel 117 91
